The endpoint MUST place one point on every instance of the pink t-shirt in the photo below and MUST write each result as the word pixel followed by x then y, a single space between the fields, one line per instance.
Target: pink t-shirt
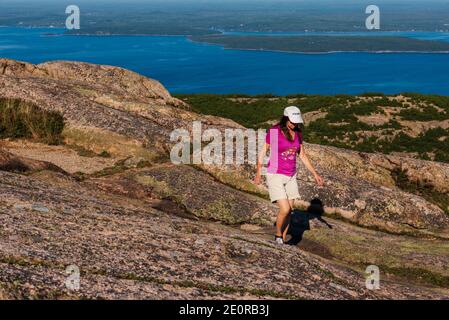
pixel 282 151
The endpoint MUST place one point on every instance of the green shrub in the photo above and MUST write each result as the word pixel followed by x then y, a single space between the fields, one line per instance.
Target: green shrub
pixel 428 114
pixel 20 119
pixel 104 154
pixel 426 142
pixel 440 101
pixel 266 95
pixel 372 94
pixel 296 96
pixel 251 115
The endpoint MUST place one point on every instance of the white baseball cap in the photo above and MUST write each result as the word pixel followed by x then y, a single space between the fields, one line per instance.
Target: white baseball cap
pixel 294 114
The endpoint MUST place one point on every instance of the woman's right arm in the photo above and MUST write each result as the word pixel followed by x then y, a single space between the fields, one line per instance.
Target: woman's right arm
pixel 260 159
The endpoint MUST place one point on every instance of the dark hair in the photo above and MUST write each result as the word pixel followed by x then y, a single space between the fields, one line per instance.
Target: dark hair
pixel 283 126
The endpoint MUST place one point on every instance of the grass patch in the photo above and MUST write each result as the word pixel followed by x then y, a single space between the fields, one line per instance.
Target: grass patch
pixel 234 180
pixel 118 167
pixel 161 188
pixel 29 262
pixel 20 119
pixel 418 274
pixel 108 144
pixel 83 152
pixel 219 210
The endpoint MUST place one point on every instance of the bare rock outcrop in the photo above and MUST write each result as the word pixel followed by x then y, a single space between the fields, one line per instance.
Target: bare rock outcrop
pixel 15 68
pixel 113 101
pixel 13 163
pixel 361 188
pixel 128 83
pixel 377 168
pixel 126 250
pixel 102 97
pixel 373 206
pixel 193 190
pixel 158 230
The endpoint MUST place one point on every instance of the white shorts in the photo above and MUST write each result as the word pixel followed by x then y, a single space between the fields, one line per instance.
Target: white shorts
pixel 281 187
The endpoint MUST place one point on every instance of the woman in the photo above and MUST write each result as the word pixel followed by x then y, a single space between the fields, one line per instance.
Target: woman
pixel 284 141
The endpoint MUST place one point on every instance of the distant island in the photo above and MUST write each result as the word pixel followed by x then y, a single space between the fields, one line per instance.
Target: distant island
pixel 190 17
pixel 324 44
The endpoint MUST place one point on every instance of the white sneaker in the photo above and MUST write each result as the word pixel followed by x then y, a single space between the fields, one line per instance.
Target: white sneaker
pixel 279 240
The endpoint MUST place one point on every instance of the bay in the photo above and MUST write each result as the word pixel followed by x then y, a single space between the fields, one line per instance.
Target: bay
pixel 187 67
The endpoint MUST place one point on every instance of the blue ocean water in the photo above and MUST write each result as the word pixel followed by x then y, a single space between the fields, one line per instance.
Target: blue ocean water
pixel 187 67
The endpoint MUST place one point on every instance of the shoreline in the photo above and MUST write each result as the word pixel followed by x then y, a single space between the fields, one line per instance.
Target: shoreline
pixel 320 52
pixel 189 38
pixel 221 32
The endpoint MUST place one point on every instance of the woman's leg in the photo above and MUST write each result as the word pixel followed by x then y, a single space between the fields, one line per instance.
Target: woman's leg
pixel 283 217
pixel 288 219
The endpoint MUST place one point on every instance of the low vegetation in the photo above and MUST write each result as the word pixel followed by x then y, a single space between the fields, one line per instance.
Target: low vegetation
pixel 410 123
pixel 83 152
pixel 423 189
pixel 418 275
pixel 20 119
pixel 94 142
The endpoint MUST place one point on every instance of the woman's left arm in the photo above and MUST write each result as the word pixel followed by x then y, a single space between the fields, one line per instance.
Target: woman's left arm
pixel 309 166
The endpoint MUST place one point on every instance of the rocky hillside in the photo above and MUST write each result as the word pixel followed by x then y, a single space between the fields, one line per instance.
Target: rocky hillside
pixel 108 200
